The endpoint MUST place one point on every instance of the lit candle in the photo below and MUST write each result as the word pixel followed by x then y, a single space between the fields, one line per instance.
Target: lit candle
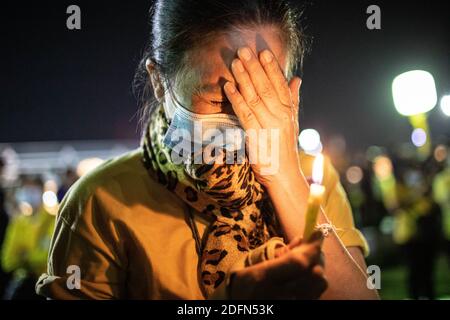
pixel 315 198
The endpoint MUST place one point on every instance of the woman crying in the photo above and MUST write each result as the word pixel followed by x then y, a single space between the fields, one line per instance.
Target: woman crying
pixel 185 216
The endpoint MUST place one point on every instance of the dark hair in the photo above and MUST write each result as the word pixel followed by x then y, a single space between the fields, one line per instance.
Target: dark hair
pixel 178 26
pixel 33 179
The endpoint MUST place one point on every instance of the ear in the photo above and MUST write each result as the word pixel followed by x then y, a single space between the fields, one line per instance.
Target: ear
pixel 153 74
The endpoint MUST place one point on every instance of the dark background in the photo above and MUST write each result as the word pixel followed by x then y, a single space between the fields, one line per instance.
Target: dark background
pixel 58 84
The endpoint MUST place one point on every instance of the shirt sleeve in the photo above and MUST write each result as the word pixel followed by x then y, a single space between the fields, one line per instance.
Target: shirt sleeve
pixel 86 259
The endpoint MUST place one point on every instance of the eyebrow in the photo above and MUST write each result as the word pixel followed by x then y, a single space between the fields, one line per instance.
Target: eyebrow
pixel 209 87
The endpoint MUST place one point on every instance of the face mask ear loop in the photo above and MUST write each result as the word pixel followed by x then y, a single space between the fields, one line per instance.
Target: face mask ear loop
pixel 169 110
pixel 173 96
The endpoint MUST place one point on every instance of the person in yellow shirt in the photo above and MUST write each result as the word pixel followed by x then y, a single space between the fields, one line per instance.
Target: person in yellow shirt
pixel 27 242
pixel 166 222
pixel 417 229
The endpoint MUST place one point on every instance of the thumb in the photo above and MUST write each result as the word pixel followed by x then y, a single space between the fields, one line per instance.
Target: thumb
pixel 295 242
pixel 316 238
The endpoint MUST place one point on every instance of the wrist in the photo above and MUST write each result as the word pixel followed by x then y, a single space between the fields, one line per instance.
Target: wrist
pixel 289 198
pixel 292 180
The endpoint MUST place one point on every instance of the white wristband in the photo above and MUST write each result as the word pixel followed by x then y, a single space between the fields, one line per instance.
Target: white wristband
pixel 325 228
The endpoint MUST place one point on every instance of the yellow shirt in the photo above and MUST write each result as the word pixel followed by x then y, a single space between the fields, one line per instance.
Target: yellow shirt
pixel 129 236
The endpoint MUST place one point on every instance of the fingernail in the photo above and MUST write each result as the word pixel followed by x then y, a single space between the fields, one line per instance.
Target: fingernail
pixel 245 53
pixel 238 65
pixel 267 56
pixel 230 87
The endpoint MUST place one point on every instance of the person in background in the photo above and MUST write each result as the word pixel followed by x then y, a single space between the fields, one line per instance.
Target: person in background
pixel 416 230
pixel 4 219
pixel 70 176
pixel 441 194
pixel 27 241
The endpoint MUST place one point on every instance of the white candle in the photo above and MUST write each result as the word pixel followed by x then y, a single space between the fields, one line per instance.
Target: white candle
pixel 315 198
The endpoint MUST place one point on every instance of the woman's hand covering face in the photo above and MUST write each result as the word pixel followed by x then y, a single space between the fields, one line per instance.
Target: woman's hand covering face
pixel 267 107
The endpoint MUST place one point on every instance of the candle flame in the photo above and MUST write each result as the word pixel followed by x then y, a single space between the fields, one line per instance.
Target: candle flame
pixel 317 172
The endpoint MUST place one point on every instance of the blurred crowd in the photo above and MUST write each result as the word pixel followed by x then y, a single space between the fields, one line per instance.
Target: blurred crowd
pixel 400 200
pixel 27 216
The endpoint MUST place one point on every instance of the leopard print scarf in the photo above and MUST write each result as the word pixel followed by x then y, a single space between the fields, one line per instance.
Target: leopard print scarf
pixel 242 214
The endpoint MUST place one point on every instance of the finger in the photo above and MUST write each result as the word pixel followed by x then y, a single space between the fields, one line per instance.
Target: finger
pixel 281 251
pixel 258 77
pixel 276 77
pixel 318 270
pixel 316 236
pixel 295 242
pixel 243 112
pixel 284 268
pixel 285 249
pixel 315 249
pixel 296 262
pixel 294 90
pixel 308 254
pixel 248 92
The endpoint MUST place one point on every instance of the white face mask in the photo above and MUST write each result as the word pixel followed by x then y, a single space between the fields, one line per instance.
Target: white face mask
pixel 188 128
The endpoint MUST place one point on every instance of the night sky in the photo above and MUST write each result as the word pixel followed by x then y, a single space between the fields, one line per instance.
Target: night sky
pixel 58 84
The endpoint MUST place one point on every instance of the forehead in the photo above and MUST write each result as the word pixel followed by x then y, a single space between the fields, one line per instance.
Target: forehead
pixel 212 62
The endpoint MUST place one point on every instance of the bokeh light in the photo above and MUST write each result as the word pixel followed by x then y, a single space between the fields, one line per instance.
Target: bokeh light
pixel 414 92
pixel 419 137
pixel 354 174
pixel 445 105
pixel 309 140
pixel 87 165
pixel 49 199
pixel 440 153
pixel 382 167
pixel 51 185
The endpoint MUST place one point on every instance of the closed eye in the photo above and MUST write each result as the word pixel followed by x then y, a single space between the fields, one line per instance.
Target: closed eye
pixel 220 103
